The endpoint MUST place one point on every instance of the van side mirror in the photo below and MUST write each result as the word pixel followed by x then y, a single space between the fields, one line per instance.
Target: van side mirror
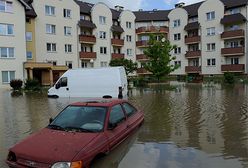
pixel 112 126
pixel 50 120
pixel 57 86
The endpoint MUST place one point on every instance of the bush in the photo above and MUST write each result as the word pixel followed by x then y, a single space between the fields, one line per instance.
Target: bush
pixel 16 84
pixel 140 82
pixel 32 84
pixel 229 78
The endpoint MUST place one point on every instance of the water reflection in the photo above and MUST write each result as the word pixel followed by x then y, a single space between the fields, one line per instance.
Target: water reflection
pixel 192 126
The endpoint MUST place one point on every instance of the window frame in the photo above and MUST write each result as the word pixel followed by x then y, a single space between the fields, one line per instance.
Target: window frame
pixel 7 52
pixel 9 76
pixel 51 10
pixel 7 8
pixel 52 45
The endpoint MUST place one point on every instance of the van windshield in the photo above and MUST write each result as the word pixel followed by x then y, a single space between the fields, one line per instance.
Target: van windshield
pixel 80 119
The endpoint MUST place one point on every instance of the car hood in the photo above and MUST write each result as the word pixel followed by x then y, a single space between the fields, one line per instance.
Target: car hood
pixel 49 146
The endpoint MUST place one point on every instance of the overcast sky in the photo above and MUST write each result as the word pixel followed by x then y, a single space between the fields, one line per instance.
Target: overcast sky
pixel 144 4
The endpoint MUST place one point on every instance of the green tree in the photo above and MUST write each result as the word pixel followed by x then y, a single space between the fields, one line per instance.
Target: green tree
pixel 159 56
pixel 129 65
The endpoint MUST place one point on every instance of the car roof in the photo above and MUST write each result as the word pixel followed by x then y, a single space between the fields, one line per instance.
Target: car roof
pixel 99 102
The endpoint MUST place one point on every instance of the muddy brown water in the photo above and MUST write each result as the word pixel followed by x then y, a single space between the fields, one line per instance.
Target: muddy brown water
pixel 194 126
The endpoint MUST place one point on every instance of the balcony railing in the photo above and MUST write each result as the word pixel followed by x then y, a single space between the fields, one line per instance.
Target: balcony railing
pixel 117 42
pixel 90 39
pixel 232 51
pixel 142 71
pixel 142 43
pixel 152 29
pixel 87 55
pixel 117 56
pixel 141 57
pixel 193 54
pixel 233 34
pixel 192 40
pixel 192 69
pixel 233 68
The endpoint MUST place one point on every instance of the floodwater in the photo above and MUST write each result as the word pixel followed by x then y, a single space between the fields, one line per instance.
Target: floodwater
pixel 194 126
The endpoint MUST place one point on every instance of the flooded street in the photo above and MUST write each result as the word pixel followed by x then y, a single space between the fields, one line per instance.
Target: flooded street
pixel 194 126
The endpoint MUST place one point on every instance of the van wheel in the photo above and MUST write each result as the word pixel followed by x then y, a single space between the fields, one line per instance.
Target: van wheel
pixel 107 97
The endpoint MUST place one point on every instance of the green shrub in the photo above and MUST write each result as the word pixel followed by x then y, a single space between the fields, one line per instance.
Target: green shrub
pixel 32 84
pixel 229 78
pixel 16 84
pixel 140 82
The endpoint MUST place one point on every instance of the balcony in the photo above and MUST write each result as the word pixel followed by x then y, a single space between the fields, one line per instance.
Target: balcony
pixel 142 71
pixel 142 43
pixel 152 29
pixel 192 40
pixel 117 42
pixel 233 34
pixel 141 57
pixel 192 69
pixel 232 51
pixel 117 56
pixel 193 54
pixel 87 55
pixel 88 39
pixel 233 68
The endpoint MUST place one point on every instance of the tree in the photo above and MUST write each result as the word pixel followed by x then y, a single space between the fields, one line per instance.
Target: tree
pixel 129 65
pixel 159 56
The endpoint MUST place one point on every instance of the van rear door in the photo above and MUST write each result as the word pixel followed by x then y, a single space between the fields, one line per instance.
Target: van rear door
pixel 62 87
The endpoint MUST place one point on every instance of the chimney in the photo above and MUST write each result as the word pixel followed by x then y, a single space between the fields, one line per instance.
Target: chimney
pixel 119 8
pixel 179 5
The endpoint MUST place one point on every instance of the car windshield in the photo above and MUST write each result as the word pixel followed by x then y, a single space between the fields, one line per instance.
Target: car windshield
pixel 80 119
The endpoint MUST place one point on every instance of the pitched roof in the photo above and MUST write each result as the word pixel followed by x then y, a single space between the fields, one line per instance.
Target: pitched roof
pixel 85 8
pixel 31 12
pixel 234 3
pixel 24 3
pixel 159 15
pixel 87 24
pixel 231 19
pixel 192 26
pixel 117 29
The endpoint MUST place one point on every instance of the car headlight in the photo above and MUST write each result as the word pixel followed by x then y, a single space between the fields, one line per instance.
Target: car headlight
pixel 68 165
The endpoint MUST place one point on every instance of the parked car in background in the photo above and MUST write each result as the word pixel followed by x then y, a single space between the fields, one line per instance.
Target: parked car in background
pixel 98 82
pixel 81 132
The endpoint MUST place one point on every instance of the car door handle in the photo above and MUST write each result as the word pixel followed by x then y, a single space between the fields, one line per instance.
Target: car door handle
pixel 67 88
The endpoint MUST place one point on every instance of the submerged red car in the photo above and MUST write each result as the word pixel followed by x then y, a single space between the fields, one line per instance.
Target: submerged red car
pixel 79 134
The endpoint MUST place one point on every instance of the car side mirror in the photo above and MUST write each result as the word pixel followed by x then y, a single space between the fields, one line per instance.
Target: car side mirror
pixel 57 86
pixel 50 120
pixel 112 126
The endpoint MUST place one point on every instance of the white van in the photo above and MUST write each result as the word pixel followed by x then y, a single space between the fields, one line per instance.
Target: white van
pixel 98 83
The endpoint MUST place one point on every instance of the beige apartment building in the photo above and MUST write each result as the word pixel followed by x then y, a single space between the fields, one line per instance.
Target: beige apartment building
pixel 12 40
pixel 210 37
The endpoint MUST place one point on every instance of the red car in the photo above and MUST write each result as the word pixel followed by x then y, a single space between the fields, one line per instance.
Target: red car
pixel 79 134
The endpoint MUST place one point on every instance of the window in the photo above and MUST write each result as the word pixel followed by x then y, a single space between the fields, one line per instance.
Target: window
pixel 68 48
pixel 52 62
pixel 210 46
pixel 211 31
pixel 129 38
pixel 6 52
pixel 29 36
pixel 102 19
pixel 84 64
pixel 104 64
pixel 130 110
pixel 29 55
pixel 69 64
pixel 6 29
pixel 211 62
pixel 82 17
pixel 67 31
pixel 6 6
pixel 234 61
pixel 210 15
pixel 129 52
pixel 7 76
pixel 116 115
pixel 63 82
pixel 102 35
pixel 51 47
pixel 67 13
pixel 177 36
pixel 234 44
pixel 176 23
pixel 50 29
pixel 177 50
pixel 49 10
pixel 103 50
pixel 129 25
pixel 178 63
pixel 234 11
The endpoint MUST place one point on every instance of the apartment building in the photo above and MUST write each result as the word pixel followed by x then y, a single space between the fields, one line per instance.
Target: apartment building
pixel 12 40
pixel 53 47
pixel 105 34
